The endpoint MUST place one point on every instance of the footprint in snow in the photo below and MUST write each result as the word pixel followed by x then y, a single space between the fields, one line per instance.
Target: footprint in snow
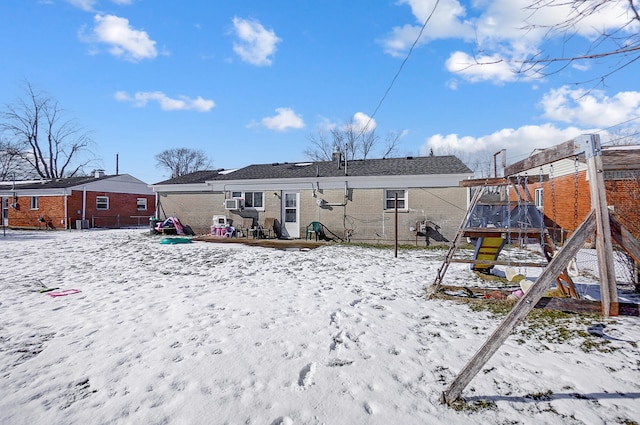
pixel 369 408
pixel 337 340
pixel 355 302
pixel 283 420
pixel 339 362
pixel 306 375
pixel 335 318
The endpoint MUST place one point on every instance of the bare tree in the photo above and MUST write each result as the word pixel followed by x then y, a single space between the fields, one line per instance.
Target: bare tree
pixel 182 161
pixel 623 136
pixel 351 141
pixel 321 147
pixel 622 43
pixel 479 162
pixel 369 140
pixel 8 158
pixel 42 136
pixel 391 143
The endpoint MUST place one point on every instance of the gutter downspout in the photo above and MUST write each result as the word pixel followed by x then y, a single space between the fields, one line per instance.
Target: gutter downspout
pixel 343 203
pixel 66 210
pixel 84 202
pixel 156 212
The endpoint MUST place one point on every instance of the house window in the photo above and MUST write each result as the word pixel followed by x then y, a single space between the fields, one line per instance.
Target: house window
pixel 251 199
pixel 142 204
pixel 34 202
pixel 390 199
pixel 102 202
pixel 539 195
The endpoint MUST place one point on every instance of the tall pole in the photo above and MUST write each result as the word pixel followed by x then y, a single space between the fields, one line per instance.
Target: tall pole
pixel 604 246
pixel 396 224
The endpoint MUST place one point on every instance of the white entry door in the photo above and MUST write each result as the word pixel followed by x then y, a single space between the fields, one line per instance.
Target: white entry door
pixel 290 214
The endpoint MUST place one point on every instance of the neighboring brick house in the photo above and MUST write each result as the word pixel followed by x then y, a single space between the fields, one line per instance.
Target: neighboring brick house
pixel 353 201
pixel 566 199
pixel 78 202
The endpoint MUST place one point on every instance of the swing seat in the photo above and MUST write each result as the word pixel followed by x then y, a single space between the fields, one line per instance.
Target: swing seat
pixel 512 275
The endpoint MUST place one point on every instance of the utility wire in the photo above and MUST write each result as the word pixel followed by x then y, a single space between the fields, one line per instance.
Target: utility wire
pixel 612 141
pixel 395 77
pixel 619 124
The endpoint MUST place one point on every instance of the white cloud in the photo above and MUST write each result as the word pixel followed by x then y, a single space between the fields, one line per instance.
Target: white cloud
pixel 590 107
pixel 362 122
pixel 586 111
pixel 89 5
pixel 125 41
pixel 448 21
pixel 284 119
pixel 519 142
pixel 182 103
pixel 122 96
pixel 255 44
pixel 83 4
pixel 482 68
pixel 610 15
pixel 505 29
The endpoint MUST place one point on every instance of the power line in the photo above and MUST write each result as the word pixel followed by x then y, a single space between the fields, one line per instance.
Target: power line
pixel 619 124
pixel 612 141
pixel 395 77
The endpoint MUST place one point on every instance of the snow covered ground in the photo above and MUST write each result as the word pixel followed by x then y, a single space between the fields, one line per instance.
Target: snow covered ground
pixel 207 333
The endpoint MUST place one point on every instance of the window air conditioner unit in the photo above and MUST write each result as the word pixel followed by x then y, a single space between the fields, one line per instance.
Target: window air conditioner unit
pixel 234 204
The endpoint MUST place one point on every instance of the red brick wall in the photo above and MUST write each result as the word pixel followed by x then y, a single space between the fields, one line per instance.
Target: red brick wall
pixel 51 208
pixel 570 210
pixel 624 195
pixel 122 210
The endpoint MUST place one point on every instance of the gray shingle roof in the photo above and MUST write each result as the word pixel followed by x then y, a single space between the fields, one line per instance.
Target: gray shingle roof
pixel 195 177
pixel 61 183
pixel 369 167
pixel 409 166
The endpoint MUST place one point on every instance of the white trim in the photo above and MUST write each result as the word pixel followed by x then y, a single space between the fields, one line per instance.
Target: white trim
pixel 123 183
pixel 243 195
pixel 146 204
pixel 102 209
pixel 405 198
pixel 189 187
pixel 290 229
pixel 357 182
pixel 538 196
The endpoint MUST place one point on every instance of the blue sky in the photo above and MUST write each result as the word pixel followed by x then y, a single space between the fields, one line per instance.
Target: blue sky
pixel 249 82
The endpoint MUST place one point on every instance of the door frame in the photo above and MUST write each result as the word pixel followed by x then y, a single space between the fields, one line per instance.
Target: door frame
pixel 290 229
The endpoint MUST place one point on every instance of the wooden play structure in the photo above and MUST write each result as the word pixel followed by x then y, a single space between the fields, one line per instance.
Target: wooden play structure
pixel 598 226
pixel 495 220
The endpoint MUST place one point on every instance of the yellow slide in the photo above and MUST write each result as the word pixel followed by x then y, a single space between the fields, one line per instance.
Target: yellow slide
pixel 487 248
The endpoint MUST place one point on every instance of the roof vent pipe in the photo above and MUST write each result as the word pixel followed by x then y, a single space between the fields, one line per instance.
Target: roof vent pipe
pixel 337 157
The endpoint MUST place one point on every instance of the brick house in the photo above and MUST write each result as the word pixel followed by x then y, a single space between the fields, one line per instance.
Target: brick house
pixel 353 200
pixel 78 202
pixel 566 200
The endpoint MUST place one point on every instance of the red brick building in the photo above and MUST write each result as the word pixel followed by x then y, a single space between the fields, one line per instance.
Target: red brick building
pixel 566 198
pixel 77 202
